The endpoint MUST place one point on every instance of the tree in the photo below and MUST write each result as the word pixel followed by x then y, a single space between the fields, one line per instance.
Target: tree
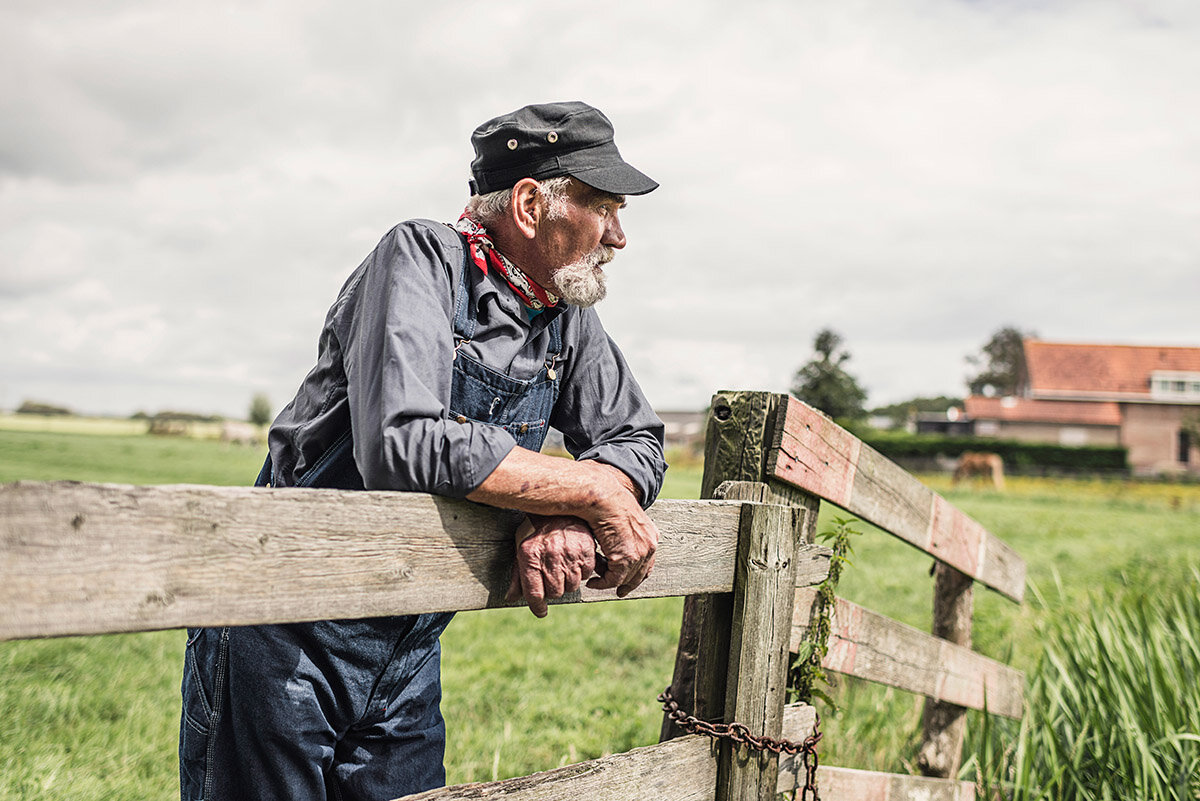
pixel 824 384
pixel 1001 363
pixel 46 409
pixel 260 410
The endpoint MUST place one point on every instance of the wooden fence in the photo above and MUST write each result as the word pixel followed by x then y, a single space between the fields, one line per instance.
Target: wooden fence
pixel 91 558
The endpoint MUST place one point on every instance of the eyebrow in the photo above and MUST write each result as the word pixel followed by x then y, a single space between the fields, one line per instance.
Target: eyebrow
pixel 607 197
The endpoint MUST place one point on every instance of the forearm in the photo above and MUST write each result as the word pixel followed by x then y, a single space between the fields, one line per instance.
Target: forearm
pixel 549 485
pixel 592 491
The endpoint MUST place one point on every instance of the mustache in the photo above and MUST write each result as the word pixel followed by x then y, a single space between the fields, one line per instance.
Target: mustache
pixel 601 255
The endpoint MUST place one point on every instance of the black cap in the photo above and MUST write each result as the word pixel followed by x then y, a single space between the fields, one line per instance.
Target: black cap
pixel 549 140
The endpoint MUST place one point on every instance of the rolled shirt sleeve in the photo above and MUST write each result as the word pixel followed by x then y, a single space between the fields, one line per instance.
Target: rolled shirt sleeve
pixel 603 413
pixel 395 328
pixel 385 366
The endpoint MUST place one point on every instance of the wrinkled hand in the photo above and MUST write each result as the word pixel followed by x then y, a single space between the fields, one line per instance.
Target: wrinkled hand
pixel 625 533
pixel 554 556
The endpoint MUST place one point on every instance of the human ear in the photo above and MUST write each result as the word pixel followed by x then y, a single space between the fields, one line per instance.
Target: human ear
pixel 526 207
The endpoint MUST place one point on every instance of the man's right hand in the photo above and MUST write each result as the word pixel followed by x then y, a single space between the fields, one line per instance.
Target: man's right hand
pixel 626 535
pixel 601 495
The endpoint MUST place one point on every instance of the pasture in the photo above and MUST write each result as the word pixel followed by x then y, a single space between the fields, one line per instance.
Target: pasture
pixel 98 716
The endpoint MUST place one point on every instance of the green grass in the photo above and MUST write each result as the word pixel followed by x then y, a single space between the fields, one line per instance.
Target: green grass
pixel 70 424
pixel 99 715
pixel 1083 536
pixel 1113 706
pixel 125 459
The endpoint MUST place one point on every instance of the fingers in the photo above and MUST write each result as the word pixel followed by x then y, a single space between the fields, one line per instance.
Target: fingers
pixel 533 589
pixel 636 578
pixel 553 579
pixel 626 577
pixel 629 545
pixel 554 556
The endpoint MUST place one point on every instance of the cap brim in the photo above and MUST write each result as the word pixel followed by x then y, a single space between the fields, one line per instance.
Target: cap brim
pixel 619 179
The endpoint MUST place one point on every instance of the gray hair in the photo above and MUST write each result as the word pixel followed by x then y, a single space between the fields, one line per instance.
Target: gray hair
pixel 490 208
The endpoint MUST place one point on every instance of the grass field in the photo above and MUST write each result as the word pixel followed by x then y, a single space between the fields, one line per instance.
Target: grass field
pixel 98 717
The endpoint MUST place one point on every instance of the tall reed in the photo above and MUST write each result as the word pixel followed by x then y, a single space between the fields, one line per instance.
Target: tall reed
pixel 1113 707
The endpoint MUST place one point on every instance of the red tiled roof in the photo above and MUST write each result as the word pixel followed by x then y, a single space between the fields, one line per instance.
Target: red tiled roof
pixel 1024 410
pixel 1101 370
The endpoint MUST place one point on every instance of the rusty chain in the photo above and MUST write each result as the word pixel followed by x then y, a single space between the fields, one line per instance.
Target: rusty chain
pixel 739 734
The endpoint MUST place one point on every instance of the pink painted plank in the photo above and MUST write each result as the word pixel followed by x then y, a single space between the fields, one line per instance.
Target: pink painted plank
pixel 870 646
pixel 813 453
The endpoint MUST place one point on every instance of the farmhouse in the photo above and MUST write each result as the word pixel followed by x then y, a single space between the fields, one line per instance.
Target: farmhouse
pixel 1140 397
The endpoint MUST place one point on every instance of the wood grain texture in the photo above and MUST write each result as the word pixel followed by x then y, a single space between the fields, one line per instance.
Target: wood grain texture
pixel 870 646
pixel 813 453
pixel 93 558
pixel 764 590
pixel 812 561
pixel 683 769
pixel 735 447
pixel 944 725
pixel 846 784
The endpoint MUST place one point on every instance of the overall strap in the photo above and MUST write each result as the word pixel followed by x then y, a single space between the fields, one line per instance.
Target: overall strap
pixel 464 321
pixel 556 345
pixel 554 352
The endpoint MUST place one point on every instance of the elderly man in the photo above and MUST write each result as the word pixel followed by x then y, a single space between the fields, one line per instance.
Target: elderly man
pixel 442 362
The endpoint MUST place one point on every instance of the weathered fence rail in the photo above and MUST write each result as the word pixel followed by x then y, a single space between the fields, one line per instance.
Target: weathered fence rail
pixel 802 457
pixel 90 558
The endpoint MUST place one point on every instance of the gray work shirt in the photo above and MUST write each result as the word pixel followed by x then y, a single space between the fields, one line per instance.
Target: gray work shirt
pixel 384 368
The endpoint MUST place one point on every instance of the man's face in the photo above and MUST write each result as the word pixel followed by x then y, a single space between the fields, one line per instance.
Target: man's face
pixel 576 244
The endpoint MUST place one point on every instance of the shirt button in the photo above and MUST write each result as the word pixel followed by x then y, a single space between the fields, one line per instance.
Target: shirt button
pixel 460 419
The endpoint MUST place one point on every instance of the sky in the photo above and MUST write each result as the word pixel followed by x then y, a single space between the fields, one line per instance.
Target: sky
pixel 184 187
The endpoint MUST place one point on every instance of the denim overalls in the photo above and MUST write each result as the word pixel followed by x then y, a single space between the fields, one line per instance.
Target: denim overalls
pixel 345 709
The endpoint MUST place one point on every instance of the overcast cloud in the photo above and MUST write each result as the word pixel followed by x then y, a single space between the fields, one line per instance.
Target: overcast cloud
pixel 184 189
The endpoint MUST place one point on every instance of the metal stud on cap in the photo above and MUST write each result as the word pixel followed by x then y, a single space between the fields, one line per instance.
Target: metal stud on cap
pixel 549 140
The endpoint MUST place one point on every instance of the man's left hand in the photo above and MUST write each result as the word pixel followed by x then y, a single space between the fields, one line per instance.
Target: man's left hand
pixel 555 555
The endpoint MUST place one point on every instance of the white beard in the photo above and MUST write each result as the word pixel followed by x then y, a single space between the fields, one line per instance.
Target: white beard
pixel 582 283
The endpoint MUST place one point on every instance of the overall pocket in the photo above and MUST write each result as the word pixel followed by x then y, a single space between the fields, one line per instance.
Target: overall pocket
pixel 205 674
pixel 206 663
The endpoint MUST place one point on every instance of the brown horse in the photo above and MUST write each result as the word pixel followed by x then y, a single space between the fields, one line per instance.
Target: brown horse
pixel 973 464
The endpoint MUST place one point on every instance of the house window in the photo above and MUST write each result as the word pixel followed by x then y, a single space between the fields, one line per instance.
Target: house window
pixel 987 428
pixel 1173 385
pixel 1184 447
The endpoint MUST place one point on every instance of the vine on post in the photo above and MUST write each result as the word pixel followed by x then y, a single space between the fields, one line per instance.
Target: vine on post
pixel 806 672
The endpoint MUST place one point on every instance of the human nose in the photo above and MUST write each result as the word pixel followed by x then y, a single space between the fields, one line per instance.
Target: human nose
pixel 613 235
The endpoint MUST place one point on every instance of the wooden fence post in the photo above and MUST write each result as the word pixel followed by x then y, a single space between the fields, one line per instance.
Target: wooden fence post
pixel 944 724
pixel 736 441
pixel 764 590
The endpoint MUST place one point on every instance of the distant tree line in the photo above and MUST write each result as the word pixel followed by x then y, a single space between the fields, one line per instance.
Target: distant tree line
pixel 182 417
pixel 260 412
pixel 824 383
pixel 47 409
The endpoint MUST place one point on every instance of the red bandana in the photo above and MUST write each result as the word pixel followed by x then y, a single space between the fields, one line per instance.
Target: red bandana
pixel 485 255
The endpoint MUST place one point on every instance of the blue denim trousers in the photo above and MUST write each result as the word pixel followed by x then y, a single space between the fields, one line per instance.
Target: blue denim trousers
pixel 327 710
